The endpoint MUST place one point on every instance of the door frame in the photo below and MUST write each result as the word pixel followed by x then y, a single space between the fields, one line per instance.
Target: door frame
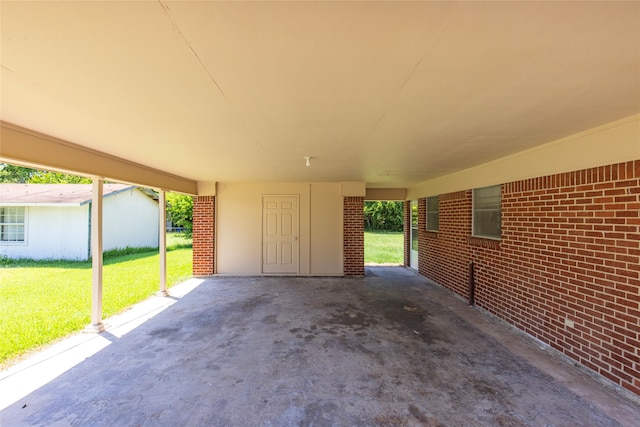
pixel 413 254
pixel 297 231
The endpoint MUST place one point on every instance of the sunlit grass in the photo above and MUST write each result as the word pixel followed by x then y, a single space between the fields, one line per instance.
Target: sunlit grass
pixel 178 240
pixel 383 247
pixel 42 301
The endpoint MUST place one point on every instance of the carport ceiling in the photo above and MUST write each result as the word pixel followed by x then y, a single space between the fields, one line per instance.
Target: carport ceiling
pixel 388 93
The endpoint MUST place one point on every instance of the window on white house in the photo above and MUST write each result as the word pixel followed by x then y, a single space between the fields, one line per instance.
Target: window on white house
pixel 12 222
pixel 486 212
pixel 433 213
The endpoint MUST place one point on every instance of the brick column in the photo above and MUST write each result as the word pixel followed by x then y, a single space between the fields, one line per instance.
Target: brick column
pixel 407 233
pixel 203 235
pixel 353 224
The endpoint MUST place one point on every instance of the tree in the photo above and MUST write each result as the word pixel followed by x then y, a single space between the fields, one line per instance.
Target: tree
pixel 180 211
pixel 21 175
pixel 48 177
pixel 15 174
pixel 383 216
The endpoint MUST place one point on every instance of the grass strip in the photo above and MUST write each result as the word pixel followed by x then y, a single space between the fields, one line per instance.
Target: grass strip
pixel 42 301
pixel 383 247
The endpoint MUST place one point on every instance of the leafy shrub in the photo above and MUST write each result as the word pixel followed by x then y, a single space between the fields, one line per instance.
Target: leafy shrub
pixel 383 216
pixel 180 211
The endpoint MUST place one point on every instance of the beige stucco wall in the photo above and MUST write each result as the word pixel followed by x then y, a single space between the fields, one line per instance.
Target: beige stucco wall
pixel 612 143
pixel 326 229
pixel 397 194
pixel 239 226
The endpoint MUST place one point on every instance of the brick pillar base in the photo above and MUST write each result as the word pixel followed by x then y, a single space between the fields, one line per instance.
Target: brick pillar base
pixel 353 236
pixel 203 235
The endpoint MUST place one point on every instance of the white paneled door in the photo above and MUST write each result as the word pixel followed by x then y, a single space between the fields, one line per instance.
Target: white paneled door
pixel 280 234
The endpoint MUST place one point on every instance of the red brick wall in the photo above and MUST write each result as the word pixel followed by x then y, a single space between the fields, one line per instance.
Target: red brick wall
pixel 444 256
pixel 407 233
pixel 353 228
pixel 203 235
pixel 567 270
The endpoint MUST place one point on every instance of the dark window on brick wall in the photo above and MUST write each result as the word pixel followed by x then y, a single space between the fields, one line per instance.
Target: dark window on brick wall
pixel 486 212
pixel 433 213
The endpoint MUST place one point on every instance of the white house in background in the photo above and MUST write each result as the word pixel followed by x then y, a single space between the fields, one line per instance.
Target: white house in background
pixel 52 221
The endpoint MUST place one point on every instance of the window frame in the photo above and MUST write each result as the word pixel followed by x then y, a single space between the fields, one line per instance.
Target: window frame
pixel 492 209
pixel 414 230
pixel 22 224
pixel 430 212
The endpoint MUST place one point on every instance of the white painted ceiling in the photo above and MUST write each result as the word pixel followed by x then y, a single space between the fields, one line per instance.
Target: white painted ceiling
pixel 388 93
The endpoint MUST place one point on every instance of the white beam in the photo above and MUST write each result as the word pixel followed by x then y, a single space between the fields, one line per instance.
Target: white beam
pixel 162 213
pixel 29 148
pixel 96 256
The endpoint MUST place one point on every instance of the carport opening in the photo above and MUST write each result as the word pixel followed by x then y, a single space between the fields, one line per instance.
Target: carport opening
pixel 383 233
pixel 47 220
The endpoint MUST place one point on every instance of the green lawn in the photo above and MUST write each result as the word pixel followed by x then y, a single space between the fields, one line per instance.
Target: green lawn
pixel 383 247
pixel 41 301
pixel 178 240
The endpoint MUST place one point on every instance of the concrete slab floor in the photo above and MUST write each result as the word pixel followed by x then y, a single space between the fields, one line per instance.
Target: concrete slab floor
pixel 389 349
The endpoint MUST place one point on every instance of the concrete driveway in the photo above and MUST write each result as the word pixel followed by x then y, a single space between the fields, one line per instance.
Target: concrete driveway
pixel 390 349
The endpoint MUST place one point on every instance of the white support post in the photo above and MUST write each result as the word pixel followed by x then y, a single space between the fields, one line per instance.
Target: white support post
pixel 162 217
pixel 96 257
